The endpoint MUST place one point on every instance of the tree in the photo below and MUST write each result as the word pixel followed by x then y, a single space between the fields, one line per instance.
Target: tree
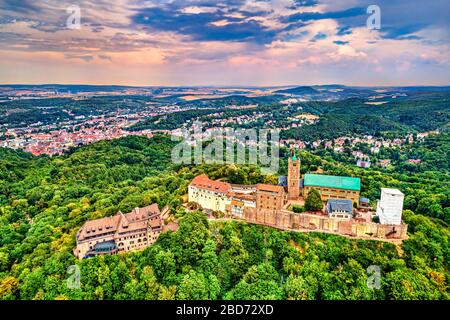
pixel 8 287
pixel 410 203
pixel 298 209
pixel 259 283
pixel 167 293
pixel 209 261
pixel 313 201
pixel 164 266
pixel 406 284
pixel 195 286
pixel 233 261
pixel 298 288
pixel 447 215
pixel 190 238
pixel 151 284
pixel 424 205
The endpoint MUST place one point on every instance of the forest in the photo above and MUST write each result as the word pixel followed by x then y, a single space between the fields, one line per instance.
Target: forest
pixel 44 201
pixel 22 113
pixel 395 118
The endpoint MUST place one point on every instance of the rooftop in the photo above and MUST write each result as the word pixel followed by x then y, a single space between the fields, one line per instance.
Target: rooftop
pixel 108 226
pixel 391 191
pixel 269 188
pixel 203 182
pixel 282 181
pixel 321 180
pixel 340 205
pixel 247 197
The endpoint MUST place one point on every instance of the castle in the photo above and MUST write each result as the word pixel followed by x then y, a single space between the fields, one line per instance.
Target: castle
pixel 121 233
pixel 264 204
pixel 345 212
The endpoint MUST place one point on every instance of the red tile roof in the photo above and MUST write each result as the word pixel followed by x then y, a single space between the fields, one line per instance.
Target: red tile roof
pixel 137 219
pixel 243 196
pixel 270 188
pixel 203 182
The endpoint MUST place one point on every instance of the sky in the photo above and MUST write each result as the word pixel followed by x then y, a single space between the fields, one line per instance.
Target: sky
pixel 225 42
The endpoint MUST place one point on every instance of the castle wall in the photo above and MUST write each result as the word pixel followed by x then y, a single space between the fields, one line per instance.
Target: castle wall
pixel 269 211
pixel 288 220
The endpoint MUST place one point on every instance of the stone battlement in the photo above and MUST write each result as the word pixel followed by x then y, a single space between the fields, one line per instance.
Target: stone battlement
pixel 308 222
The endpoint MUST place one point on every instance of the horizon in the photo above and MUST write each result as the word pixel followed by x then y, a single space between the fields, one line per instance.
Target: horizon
pixel 224 86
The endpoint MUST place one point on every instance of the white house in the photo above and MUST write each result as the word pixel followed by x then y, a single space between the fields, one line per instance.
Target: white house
pixel 209 194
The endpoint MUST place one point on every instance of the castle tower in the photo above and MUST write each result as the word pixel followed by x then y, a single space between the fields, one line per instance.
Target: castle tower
pixel 294 178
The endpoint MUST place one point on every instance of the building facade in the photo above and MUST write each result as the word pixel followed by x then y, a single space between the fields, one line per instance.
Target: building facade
pixel 239 202
pixel 270 197
pixel 209 194
pixel 340 209
pixel 390 206
pixel 120 233
pixel 333 187
pixel 268 204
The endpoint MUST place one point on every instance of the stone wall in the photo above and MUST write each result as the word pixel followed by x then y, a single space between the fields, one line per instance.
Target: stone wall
pixel 288 220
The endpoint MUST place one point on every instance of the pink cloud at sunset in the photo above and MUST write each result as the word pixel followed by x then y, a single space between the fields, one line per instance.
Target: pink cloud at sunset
pixel 228 43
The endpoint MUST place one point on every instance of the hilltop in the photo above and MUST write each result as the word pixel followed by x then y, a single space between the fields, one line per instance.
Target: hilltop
pixel 44 201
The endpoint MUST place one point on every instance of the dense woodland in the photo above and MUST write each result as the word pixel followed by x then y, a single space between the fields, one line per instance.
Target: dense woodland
pixel 44 201
pixel 22 113
pixel 395 118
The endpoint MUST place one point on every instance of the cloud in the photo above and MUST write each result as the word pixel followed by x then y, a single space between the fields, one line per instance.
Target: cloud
pixel 86 58
pixel 104 57
pixel 201 25
pixel 297 4
pixel 342 31
pixel 308 16
pixel 403 32
pixel 203 41
pixel 319 36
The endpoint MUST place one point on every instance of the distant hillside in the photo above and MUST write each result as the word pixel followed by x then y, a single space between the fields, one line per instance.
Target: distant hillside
pixel 353 116
pixel 234 100
pixel 298 91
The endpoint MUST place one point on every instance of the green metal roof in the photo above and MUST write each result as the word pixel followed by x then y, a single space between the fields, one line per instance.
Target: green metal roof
pixel 294 158
pixel 321 180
